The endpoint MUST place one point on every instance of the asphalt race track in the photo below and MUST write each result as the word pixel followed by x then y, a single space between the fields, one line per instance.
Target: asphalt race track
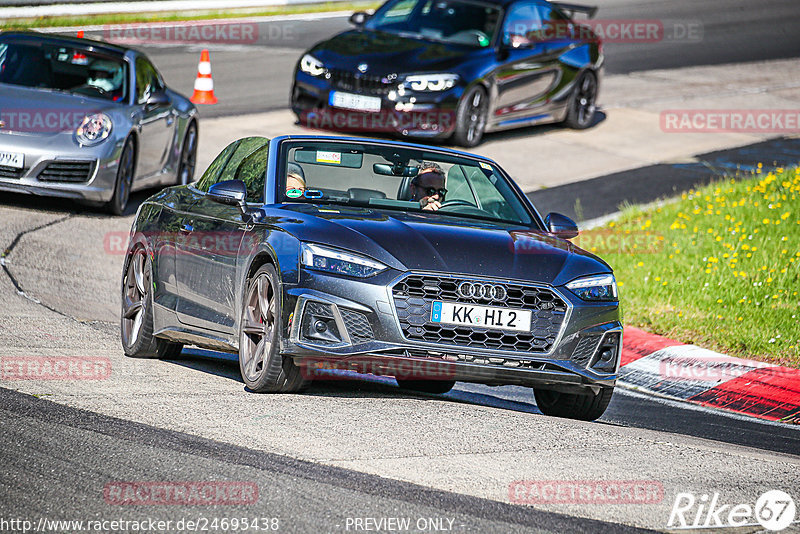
pixel 356 448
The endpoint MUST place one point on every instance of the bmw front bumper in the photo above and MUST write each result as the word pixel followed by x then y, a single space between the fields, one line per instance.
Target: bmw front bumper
pixel 341 323
pixel 419 114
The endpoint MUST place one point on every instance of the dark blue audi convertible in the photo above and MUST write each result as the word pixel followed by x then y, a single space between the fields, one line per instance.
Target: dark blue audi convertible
pixel 304 254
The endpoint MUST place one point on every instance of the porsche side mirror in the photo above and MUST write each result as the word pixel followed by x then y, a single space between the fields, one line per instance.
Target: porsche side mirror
pixel 157 99
pixel 230 193
pixel 561 225
pixel 358 18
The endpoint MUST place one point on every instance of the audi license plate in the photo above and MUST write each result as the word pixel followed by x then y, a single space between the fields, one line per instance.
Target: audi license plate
pixel 12 159
pixel 339 99
pixel 485 316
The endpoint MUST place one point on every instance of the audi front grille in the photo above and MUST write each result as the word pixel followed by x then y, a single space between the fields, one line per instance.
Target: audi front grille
pixel 414 295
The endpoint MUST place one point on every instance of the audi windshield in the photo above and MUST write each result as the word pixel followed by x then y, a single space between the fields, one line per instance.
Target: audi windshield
pixel 398 178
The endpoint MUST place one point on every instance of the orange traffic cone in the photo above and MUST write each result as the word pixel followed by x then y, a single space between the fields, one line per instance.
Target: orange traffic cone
pixel 204 85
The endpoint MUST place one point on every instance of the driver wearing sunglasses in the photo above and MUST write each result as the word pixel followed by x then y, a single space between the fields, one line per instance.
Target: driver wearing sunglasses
pixel 427 187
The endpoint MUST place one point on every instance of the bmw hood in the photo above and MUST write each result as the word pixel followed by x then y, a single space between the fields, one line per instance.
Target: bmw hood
pixel 385 53
pixel 425 242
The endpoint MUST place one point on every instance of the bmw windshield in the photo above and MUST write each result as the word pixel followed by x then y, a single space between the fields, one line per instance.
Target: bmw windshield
pixel 397 178
pixel 450 21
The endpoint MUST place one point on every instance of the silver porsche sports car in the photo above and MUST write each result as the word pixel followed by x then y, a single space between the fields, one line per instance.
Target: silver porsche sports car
pixel 88 120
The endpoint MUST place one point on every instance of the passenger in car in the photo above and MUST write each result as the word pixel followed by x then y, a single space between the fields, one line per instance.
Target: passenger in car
pixel 295 181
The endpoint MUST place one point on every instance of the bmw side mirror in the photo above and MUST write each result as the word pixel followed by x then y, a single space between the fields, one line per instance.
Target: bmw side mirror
pixel 157 99
pixel 230 193
pixel 561 225
pixel 358 18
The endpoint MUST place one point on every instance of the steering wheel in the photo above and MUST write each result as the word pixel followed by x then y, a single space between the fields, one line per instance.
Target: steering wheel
pixel 83 88
pixel 457 202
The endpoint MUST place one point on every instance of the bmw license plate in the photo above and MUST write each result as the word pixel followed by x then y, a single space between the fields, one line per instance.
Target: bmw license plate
pixel 485 316
pixel 339 99
pixel 12 159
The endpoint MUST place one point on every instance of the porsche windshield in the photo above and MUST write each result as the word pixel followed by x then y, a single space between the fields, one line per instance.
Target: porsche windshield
pixel 397 178
pixel 62 68
pixel 451 21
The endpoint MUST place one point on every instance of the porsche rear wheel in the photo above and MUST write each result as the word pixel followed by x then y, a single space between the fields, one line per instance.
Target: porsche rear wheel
pixel 263 368
pixel 124 182
pixel 586 407
pixel 136 323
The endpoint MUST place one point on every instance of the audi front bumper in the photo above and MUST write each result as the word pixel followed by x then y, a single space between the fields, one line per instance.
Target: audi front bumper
pixel 365 326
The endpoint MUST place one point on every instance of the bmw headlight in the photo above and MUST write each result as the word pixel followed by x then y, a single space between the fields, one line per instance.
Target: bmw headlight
pixel 311 65
pixel 94 129
pixel 430 82
pixel 338 261
pixel 601 287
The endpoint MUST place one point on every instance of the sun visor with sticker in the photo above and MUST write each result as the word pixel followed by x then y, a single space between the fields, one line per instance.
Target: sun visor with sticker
pixel 349 159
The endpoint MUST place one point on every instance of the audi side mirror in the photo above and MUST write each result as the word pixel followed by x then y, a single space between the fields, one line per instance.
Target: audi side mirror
pixel 358 18
pixel 230 193
pixel 561 225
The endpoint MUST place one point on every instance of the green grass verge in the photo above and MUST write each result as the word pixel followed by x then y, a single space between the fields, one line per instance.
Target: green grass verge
pixel 128 18
pixel 718 267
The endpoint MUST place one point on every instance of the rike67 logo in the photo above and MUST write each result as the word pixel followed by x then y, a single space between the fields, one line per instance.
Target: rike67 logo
pixel 774 510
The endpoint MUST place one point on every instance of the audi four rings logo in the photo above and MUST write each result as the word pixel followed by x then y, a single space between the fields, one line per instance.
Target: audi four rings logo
pixel 474 290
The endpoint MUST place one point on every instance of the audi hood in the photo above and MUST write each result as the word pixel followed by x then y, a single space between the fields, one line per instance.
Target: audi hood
pixel 442 243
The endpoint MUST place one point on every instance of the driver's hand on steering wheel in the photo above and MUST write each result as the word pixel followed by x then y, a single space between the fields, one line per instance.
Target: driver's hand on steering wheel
pixel 430 204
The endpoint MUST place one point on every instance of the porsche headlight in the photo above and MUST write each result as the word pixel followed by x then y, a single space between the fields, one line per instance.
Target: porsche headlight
pixel 430 82
pixel 601 287
pixel 338 261
pixel 94 129
pixel 311 65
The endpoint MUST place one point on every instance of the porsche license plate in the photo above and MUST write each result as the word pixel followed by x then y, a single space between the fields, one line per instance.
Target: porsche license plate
pixel 12 159
pixel 339 99
pixel 484 316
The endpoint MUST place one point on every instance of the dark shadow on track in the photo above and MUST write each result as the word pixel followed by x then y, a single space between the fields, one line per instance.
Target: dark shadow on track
pixel 66 206
pixel 626 409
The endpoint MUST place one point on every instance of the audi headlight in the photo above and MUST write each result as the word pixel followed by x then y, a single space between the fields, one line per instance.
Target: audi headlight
pixel 430 82
pixel 601 287
pixel 311 65
pixel 94 129
pixel 338 261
